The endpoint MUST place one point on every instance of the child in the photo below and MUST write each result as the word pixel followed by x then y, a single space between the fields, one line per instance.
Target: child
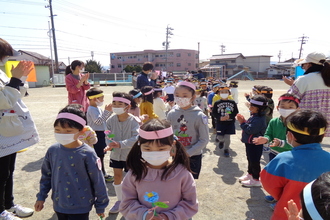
pixel 276 131
pixel 159 105
pixel 125 127
pixel 209 102
pixel 190 124
pixel 152 171
pixel 96 119
pixel 314 199
pixel 268 93
pixel 146 106
pixel 255 126
pixel 225 111
pixel 169 90
pixel 72 170
pixel 234 91
pixel 136 100
pixel 289 172
pixel 201 100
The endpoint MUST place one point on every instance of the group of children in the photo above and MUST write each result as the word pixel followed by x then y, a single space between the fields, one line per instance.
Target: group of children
pixel 163 157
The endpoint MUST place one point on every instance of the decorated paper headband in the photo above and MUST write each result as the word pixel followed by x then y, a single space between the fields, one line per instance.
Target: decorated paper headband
pixel 95 96
pixel 266 92
pixel 309 203
pixel 158 90
pixel 223 88
pixel 190 85
pixel 305 131
pixel 258 102
pixel 72 117
pixel 216 85
pixel 120 99
pixel 148 93
pixel 137 95
pixel 152 135
pixel 254 89
pixel 289 98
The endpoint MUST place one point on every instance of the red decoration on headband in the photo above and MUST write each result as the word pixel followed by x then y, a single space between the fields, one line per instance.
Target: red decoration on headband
pixel 289 98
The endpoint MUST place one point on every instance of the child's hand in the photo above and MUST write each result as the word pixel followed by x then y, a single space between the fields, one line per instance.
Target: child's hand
pixel 224 118
pixel 292 211
pixel 39 205
pixel 150 216
pixel 114 144
pixel 276 143
pixel 240 118
pixel 259 140
pixel 145 117
pixel 108 107
pixel 101 215
pixel 107 148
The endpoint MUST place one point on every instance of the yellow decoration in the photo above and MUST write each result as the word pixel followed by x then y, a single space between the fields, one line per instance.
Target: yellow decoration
pixel 305 131
pixel 96 96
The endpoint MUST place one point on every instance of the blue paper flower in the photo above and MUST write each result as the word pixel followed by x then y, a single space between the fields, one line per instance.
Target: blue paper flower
pixel 151 197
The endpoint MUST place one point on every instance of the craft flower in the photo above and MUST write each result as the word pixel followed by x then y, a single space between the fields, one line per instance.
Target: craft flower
pixel 108 134
pixel 153 197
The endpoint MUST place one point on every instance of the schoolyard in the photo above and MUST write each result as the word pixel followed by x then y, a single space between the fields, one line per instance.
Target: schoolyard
pixel 220 195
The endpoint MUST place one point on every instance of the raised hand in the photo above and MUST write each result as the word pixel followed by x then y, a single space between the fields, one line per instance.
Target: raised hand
pixel 22 69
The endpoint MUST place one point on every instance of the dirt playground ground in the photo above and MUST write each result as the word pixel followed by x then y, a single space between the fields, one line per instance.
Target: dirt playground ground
pixel 220 195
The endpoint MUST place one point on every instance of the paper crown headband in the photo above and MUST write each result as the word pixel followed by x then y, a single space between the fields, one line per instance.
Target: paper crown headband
pixel 96 96
pixel 258 102
pixel 190 85
pixel 289 98
pixel 148 93
pixel 309 203
pixel 72 117
pixel 290 126
pixel 152 135
pixel 120 99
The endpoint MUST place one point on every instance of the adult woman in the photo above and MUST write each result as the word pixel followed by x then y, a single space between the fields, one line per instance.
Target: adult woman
pixel 77 84
pixel 17 131
pixel 313 88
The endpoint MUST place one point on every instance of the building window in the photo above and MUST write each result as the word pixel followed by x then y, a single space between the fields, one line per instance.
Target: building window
pixel 178 55
pixel 189 54
pixel 119 58
pixel 134 56
pixel 196 56
pixel 196 65
pixel 156 55
pixel 112 66
pixel 232 61
pixel 189 64
pixel 161 55
pixel 178 64
pixel 157 65
pixel 217 62
pixel 119 65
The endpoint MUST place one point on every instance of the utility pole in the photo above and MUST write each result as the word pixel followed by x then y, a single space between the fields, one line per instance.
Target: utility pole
pixel 53 30
pixel 198 55
pixel 303 41
pixel 92 54
pixel 168 33
pixel 279 56
pixel 51 52
pixel 223 48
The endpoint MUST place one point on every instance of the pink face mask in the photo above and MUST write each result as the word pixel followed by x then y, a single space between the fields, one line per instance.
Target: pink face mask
pixel 182 102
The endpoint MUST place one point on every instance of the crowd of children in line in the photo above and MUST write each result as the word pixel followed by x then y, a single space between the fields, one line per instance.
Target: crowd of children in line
pixel 157 136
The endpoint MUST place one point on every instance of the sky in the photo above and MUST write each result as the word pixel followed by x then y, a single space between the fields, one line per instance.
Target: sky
pixel 254 27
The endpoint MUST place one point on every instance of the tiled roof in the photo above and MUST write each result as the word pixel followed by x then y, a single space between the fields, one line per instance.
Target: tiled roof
pixel 34 54
pixel 226 56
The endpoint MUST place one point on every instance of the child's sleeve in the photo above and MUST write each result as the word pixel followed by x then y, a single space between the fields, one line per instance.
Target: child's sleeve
pixel 94 168
pixel 130 206
pixel 215 111
pixel 270 131
pixel 45 180
pixel 203 133
pixel 235 111
pixel 98 118
pixel 71 85
pixel 273 184
pixel 188 206
pixel 128 143
pixel 253 127
pixel 107 141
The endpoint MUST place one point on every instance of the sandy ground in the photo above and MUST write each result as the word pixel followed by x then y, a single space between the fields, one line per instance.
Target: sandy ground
pixel 219 193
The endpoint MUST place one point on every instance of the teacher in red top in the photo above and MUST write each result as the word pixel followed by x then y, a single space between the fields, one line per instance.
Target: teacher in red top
pixel 77 84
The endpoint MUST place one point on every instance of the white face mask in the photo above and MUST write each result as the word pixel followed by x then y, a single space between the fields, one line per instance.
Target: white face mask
pixel 119 111
pixel 224 95
pixel 64 139
pixel 182 102
pixel 156 158
pixel 287 141
pixel 82 70
pixel 98 103
pixel 285 112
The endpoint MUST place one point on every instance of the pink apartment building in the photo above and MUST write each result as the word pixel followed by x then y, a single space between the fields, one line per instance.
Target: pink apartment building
pixel 177 60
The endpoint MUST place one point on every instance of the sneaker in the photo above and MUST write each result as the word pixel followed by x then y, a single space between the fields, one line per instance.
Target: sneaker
pixel 21 211
pixel 251 183
pixel 245 177
pixel 221 145
pixel 216 140
pixel 8 216
pixel 270 199
pixel 226 152
pixel 108 178
pixel 115 208
pixel 272 206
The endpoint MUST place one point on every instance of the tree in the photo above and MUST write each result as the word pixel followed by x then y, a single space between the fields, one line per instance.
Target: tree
pixel 129 69
pixel 138 68
pixel 93 67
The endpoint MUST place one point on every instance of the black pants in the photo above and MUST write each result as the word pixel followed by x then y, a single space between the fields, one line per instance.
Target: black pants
pixel 213 119
pixel 7 167
pixel 62 216
pixel 196 165
pixel 253 154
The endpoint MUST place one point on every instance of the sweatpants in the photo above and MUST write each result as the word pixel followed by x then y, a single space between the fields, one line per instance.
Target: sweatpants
pixel 253 155
pixel 7 167
pixel 225 139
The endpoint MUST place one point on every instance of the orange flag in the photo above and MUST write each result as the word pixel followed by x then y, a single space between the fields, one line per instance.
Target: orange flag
pixel 32 77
